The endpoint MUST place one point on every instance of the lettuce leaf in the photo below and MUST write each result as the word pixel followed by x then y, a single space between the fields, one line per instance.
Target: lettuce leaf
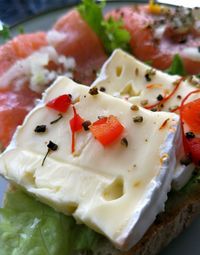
pixel 111 32
pixel 4 31
pixel 177 67
pixel 32 228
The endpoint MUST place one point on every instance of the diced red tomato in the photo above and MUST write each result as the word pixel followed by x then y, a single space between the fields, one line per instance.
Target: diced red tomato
pixel 60 104
pixel 80 42
pixel 107 130
pixel 76 122
pixel 76 126
pixel 83 44
pixel 102 120
pixel 194 149
pixel 191 115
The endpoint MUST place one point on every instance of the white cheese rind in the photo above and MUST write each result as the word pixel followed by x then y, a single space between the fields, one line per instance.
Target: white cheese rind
pixel 80 184
pixel 124 76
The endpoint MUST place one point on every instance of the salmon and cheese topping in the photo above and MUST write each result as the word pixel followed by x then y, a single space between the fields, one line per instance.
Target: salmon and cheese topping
pixel 125 77
pixel 30 62
pixel 94 156
pixel 159 32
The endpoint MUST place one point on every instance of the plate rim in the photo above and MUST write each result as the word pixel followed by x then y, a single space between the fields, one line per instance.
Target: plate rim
pixel 50 10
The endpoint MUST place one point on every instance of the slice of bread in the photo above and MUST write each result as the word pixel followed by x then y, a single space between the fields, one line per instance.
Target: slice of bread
pixel 182 208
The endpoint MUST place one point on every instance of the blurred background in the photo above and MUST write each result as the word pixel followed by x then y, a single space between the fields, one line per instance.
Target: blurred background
pixel 14 11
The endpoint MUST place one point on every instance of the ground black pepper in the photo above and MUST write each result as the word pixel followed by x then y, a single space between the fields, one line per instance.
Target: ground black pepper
pixel 51 147
pixel 93 91
pixel 134 108
pixel 190 135
pixel 40 129
pixel 138 119
pixel 159 97
pixel 124 142
pixel 86 125
pixel 102 89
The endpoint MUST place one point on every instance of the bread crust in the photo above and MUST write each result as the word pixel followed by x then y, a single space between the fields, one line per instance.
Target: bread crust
pixel 182 208
pixel 162 233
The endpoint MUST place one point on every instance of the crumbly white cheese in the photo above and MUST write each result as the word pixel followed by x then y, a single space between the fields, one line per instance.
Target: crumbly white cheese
pixel 34 69
pixel 115 190
pixel 54 37
pixel 124 76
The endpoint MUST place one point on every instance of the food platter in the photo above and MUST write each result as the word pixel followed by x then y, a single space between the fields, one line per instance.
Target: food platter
pixel 189 240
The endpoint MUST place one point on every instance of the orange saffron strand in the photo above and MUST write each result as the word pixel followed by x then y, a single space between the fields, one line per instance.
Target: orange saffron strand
pixel 149 107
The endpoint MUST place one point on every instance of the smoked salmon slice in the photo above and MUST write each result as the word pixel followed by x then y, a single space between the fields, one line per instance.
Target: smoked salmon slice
pixel 14 105
pixel 153 40
pixel 16 102
pixel 83 44
pixel 79 42
pixel 20 47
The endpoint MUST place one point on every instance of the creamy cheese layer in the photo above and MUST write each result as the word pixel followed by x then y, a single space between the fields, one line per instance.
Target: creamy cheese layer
pixel 115 190
pixel 125 77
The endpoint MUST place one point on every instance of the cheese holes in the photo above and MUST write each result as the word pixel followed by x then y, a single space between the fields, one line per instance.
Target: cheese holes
pixel 29 178
pixel 137 184
pixel 71 207
pixel 118 71
pixel 129 90
pixel 114 191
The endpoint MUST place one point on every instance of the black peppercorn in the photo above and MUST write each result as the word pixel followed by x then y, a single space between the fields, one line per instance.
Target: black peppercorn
pixel 93 91
pixel 52 146
pixel 190 135
pixel 138 119
pixel 159 97
pixel 124 142
pixel 86 125
pixel 40 129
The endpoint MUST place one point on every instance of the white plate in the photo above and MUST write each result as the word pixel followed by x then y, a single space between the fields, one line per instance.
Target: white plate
pixel 188 242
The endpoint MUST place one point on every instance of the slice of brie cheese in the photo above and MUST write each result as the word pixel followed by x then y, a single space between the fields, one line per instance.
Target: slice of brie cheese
pixel 125 77
pixel 115 190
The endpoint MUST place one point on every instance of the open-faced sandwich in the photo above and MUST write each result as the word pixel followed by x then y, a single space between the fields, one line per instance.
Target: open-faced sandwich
pixel 110 168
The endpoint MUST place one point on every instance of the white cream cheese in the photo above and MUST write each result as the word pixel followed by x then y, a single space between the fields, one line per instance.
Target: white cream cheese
pixel 115 190
pixel 125 77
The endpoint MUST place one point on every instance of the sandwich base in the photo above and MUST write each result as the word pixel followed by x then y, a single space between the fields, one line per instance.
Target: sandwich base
pixel 182 208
